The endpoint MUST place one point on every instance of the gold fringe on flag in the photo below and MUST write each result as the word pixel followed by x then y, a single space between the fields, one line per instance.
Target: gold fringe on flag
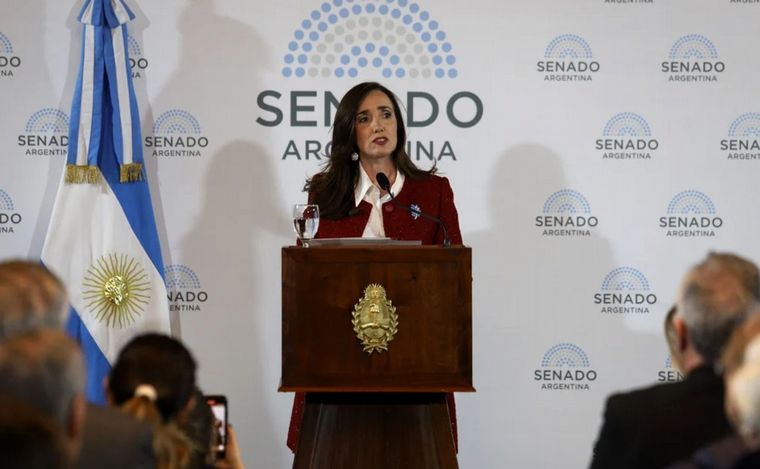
pixel 130 172
pixel 82 174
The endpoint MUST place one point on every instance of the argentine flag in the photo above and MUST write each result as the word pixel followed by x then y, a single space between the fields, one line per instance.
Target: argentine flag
pixel 102 239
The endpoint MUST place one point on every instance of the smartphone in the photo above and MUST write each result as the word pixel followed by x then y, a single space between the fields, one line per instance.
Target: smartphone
pixel 218 406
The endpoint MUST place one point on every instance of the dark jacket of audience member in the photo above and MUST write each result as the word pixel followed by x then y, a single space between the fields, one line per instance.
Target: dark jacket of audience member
pixel 29 439
pixel 657 426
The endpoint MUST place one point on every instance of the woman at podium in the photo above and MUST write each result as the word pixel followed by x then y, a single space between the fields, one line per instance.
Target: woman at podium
pixel 369 138
pixel 369 187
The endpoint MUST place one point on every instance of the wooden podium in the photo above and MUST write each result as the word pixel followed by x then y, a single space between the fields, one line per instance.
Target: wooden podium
pixel 386 409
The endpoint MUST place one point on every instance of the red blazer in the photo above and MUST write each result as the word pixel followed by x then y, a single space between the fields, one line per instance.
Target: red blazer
pixel 432 196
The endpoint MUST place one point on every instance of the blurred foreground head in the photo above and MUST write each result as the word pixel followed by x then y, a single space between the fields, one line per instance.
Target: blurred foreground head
pixel 45 369
pixel 31 298
pixel 717 296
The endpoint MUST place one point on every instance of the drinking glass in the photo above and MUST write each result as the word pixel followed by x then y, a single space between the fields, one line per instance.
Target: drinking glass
pixel 305 222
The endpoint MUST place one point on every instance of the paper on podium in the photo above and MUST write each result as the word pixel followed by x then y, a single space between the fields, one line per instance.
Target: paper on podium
pixel 362 241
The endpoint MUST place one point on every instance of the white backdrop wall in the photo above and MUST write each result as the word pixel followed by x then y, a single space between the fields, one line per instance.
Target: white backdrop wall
pixel 228 120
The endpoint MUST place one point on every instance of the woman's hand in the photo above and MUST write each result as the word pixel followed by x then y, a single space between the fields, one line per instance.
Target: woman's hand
pixel 232 459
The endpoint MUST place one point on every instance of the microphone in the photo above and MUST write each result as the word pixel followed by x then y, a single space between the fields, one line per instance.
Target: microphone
pixel 385 185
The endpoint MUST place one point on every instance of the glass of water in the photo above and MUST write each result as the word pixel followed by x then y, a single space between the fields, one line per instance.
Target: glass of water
pixel 305 222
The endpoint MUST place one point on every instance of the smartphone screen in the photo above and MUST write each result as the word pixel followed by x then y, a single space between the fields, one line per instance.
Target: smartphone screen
pixel 218 406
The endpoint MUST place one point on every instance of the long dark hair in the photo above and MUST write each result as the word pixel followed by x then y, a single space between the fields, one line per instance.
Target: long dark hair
pixel 333 188
pixel 163 363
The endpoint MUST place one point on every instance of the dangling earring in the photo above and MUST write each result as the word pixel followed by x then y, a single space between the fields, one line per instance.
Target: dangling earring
pixel 354 156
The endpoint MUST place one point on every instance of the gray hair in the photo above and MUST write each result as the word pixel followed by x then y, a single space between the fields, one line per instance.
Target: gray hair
pixel 31 298
pixel 717 296
pixel 44 368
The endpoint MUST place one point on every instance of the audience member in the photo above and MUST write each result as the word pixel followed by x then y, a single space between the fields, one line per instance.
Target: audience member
pixel 45 369
pixel 724 453
pixel 153 380
pixel 199 426
pixel 32 298
pixel 29 439
pixel 659 425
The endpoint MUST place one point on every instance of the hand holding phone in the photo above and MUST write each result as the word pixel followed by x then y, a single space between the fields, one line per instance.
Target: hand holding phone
pixel 218 405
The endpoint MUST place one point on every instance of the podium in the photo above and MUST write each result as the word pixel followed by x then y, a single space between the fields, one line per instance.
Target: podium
pixel 385 408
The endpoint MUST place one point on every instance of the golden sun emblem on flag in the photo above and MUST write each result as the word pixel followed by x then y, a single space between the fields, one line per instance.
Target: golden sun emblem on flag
pixel 116 289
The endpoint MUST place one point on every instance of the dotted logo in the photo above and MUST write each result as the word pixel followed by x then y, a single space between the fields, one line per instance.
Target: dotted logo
pixel 6 48
pixel 691 213
pixel 179 277
pixel 693 46
pixel 567 201
pixel 48 120
pixel 176 133
pixel 6 203
pixel 566 213
pixel 45 133
pixel 183 288
pixel 627 136
pixel 342 38
pixel 625 290
pixel 693 58
pixel 133 47
pixel 625 278
pixel 743 142
pixel 8 62
pixel 565 367
pixel 565 355
pixel 627 124
pixel 568 46
pixel 746 125
pixel 9 218
pixel 568 57
pixel 137 63
pixel 691 202
pixel 176 121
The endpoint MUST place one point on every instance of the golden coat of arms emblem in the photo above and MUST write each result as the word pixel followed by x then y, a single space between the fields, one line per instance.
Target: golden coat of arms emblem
pixel 375 320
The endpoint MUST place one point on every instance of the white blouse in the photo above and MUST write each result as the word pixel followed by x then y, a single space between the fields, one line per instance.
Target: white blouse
pixel 365 190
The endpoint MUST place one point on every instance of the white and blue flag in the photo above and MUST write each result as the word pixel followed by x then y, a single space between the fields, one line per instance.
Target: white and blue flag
pixel 102 239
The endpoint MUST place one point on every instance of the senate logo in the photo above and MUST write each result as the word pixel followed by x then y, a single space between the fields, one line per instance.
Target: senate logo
pixel 565 367
pixel 566 213
pixel 45 133
pixel 183 288
pixel 627 136
pixel 137 63
pixel 568 57
pixel 693 58
pixel 116 290
pixel 176 133
pixel 9 216
pixel 625 290
pixel 9 61
pixel 368 40
pixel 397 39
pixel 690 214
pixel 743 142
